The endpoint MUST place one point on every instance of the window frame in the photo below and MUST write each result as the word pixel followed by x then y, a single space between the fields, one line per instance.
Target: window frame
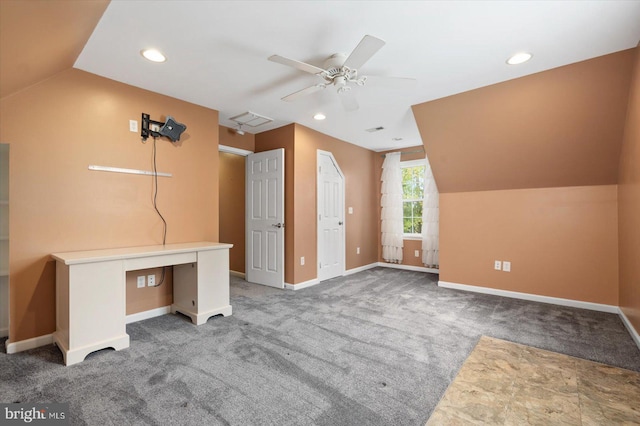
pixel 406 164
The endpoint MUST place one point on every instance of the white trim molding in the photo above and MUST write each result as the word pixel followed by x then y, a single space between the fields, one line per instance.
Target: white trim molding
pixel 409 267
pixel 152 313
pixel 301 285
pixel 25 345
pixel 532 297
pixel 360 269
pixel 238 274
pixel 233 150
pixel 632 331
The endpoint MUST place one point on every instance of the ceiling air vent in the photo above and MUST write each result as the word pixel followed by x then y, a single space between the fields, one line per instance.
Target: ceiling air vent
pixel 251 119
pixel 374 129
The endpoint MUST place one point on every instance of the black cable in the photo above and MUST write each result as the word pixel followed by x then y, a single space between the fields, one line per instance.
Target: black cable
pixel 155 206
pixel 155 194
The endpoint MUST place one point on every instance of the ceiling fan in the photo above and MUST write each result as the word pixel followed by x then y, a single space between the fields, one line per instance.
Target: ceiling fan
pixel 339 70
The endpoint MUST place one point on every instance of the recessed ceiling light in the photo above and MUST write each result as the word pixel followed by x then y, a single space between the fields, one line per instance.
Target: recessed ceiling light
pixel 153 55
pixel 396 139
pixel 319 116
pixel 519 58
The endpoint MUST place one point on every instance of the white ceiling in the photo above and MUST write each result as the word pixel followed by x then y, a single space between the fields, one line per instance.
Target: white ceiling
pixel 217 53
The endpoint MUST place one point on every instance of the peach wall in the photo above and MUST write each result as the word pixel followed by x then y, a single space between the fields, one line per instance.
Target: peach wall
pixel 556 128
pixel 229 137
pixel 147 298
pixel 232 208
pixel 561 242
pixel 301 145
pixel 59 127
pixel 42 38
pixel 361 228
pixel 629 205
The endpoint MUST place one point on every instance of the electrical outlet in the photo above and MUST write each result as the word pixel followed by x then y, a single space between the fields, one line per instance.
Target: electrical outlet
pixel 133 125
pixel 497 265
pixel 506 266
pixel 154 127
pixel 357 250
pixel 141 281
pixel 151 280
pixel 302 261
pixel 417 253
pixel 350 210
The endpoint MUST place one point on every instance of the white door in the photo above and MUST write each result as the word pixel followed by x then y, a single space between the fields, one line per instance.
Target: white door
pixel 330 217
pixel 265 218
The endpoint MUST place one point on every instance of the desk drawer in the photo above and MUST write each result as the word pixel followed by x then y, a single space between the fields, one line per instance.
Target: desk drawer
pixel 159 260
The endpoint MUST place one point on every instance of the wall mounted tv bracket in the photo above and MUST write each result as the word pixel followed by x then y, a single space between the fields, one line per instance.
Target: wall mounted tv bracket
pixel 170 129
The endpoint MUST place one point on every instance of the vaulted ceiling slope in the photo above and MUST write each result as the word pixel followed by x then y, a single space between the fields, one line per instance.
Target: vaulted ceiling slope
pixel 557 128
pixel 41 38
pixel 217 51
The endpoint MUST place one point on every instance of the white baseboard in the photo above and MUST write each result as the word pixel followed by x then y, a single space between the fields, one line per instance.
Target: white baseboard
pixel 151 313
pixel 301 285
pixel 315 281
pixel 360 269
pixel 237 274
pixel 4 332
pixel 533 297
pixel 632 331
pixel 409 267
pixel 24 345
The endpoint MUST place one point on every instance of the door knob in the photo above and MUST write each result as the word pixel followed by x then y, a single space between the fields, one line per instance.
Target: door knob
pixel 277 225
pixel 340 223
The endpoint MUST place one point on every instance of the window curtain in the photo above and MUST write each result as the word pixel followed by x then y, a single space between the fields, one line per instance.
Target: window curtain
pixel 391 202
pixel 430 220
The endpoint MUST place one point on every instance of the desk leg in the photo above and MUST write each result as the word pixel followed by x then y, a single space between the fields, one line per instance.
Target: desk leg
pixel 201 290
pixel 90 315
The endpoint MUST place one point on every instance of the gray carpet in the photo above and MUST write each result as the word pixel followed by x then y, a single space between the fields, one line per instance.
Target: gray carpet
pixel 376 348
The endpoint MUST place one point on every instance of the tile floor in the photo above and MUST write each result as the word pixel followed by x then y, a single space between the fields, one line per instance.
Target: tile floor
pixel 503 383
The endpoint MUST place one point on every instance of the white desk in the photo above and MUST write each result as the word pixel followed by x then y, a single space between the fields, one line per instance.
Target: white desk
pixel 90 291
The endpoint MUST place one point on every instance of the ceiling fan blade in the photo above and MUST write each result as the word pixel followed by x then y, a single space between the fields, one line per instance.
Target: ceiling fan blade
pixel 367 47
pixel 302 66
pixel 348 100
pixel 303 92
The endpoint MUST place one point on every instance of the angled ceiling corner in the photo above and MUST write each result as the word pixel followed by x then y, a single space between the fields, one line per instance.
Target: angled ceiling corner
pixel 39 39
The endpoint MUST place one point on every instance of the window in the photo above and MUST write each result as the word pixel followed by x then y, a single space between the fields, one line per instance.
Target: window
pixel 412 196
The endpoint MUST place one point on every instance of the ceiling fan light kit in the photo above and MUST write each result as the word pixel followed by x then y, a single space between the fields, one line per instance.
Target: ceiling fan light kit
pixel 339 70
